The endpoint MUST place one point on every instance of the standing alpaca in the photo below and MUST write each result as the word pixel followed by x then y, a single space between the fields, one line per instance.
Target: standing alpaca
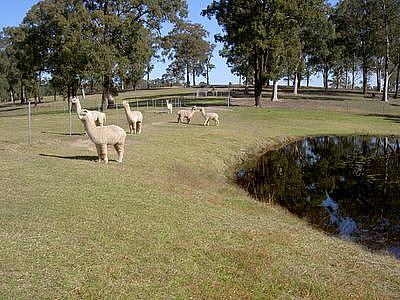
pixel 102 136
pixel 98 117
pixel 134 118
pixel 169 106
pixel 186 114
pixel 209 116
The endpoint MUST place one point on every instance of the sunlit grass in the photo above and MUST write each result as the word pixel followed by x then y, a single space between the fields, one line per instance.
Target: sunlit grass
pixel 168 222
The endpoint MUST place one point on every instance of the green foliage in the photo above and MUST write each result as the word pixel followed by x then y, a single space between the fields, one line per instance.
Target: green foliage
pixel 186 46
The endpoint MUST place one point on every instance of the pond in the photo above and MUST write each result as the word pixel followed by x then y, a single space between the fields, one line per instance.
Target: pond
pixel 349 186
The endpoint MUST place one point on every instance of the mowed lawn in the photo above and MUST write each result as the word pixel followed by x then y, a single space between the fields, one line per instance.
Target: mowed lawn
pixel 168 222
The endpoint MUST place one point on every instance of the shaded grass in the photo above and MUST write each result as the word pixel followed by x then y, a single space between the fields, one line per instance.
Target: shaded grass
pixel 167 222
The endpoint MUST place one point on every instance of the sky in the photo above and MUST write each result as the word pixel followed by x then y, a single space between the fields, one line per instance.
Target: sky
pixel 13 12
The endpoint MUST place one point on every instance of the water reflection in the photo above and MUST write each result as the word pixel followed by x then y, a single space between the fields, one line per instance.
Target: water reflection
pixel 349 186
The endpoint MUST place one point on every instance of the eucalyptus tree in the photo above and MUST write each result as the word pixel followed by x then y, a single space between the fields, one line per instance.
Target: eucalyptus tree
pixel 20 64
pixel 390 31
pixel 186 46
pixel 265 34
pixel 57 32
pixel 111 18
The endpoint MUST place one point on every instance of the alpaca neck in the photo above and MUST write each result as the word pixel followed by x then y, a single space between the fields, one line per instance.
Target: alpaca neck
pixel 78 107
pixel 203 113
pixel 90 128
pixel 127 109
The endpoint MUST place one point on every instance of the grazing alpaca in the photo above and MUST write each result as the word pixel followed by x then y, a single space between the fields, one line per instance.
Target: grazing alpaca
pixel 186 114
pixel 134 118
pixel 98 117
pixel 169 106
pixel 209 116
pixel 102 136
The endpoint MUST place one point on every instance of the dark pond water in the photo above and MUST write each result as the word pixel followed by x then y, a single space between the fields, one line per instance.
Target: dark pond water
pixel 349 186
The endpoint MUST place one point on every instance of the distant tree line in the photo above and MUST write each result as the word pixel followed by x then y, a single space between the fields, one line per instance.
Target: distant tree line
pixel 269 40
pixel 64 46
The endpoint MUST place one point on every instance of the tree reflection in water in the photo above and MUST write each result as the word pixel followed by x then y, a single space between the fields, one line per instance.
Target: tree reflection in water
pixel 349 186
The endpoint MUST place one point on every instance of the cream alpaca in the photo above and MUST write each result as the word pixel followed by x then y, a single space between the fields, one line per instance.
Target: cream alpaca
pixel 98 117
pixel 169 106
pixel 186 114
pixel 102 136
pixel 134 118
pixel 209 116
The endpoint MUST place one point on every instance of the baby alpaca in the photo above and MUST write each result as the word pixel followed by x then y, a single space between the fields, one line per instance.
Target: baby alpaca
pixel 186 114
pixel 102 136
pixel 169 106
pixel 209 116
pixel 98 117
pixel 134 118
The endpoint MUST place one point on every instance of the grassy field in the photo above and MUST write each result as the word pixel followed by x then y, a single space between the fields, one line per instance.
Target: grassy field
pixel 168 222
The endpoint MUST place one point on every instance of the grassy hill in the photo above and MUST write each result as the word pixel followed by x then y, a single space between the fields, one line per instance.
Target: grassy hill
pixel 168 222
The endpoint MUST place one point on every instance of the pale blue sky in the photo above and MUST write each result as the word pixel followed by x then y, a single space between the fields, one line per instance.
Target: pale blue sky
pixel 12 12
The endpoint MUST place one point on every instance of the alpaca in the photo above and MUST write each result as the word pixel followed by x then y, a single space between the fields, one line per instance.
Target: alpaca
pixel 209 116
pixel 134 118
pixel 98 117
pixel 169 106
pixel 102 136
pixel 186 114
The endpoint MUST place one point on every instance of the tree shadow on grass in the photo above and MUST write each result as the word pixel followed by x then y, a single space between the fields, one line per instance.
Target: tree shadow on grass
pixel 387 117
pixel 76 157
pixel 63 133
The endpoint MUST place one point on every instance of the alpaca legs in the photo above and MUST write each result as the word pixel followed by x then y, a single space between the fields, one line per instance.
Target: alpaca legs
pixel 139 127
pixel 102 153
pixel 130 128
pixel 120 150
pixel 217 122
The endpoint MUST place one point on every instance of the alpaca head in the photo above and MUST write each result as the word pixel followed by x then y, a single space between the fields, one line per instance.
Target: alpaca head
pixel 194 108
pixel 83 115
pixel 74 100
pixel 202 109
pixel 125 103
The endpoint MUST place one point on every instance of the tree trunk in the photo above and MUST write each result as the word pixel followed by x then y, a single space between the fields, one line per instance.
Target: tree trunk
pixel 106 98
pixel 12 96
pixel 55 95
pixel 365 78
pixel 353 74
pixel 207 75
pixel 148 80
pixel 194 77
pixel 122 83
pixel 308 80
pixel 83 92
pixel 378 79
pixel 295 84
pixel 275 91
pixel 326 74
pixel 385 96
pixel 397 79
pixel 187 76
pixel 258 83
pixel 23 95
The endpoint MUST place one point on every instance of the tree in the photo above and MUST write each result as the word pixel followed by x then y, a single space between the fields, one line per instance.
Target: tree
pixel 186 46
pixel 56 36
pixel 111 18
pixel 268 39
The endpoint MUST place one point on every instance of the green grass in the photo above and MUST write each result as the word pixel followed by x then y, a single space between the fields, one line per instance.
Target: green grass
pixel 168 223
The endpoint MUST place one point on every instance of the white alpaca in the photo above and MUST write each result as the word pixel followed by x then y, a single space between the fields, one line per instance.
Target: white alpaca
pixel 98 117
pixel 102 136
pixel 186 114
pixel 169 106
pixel 209 116
pixel 134 118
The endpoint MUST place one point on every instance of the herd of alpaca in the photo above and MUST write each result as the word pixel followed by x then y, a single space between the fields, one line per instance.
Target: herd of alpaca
pixel 103 136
